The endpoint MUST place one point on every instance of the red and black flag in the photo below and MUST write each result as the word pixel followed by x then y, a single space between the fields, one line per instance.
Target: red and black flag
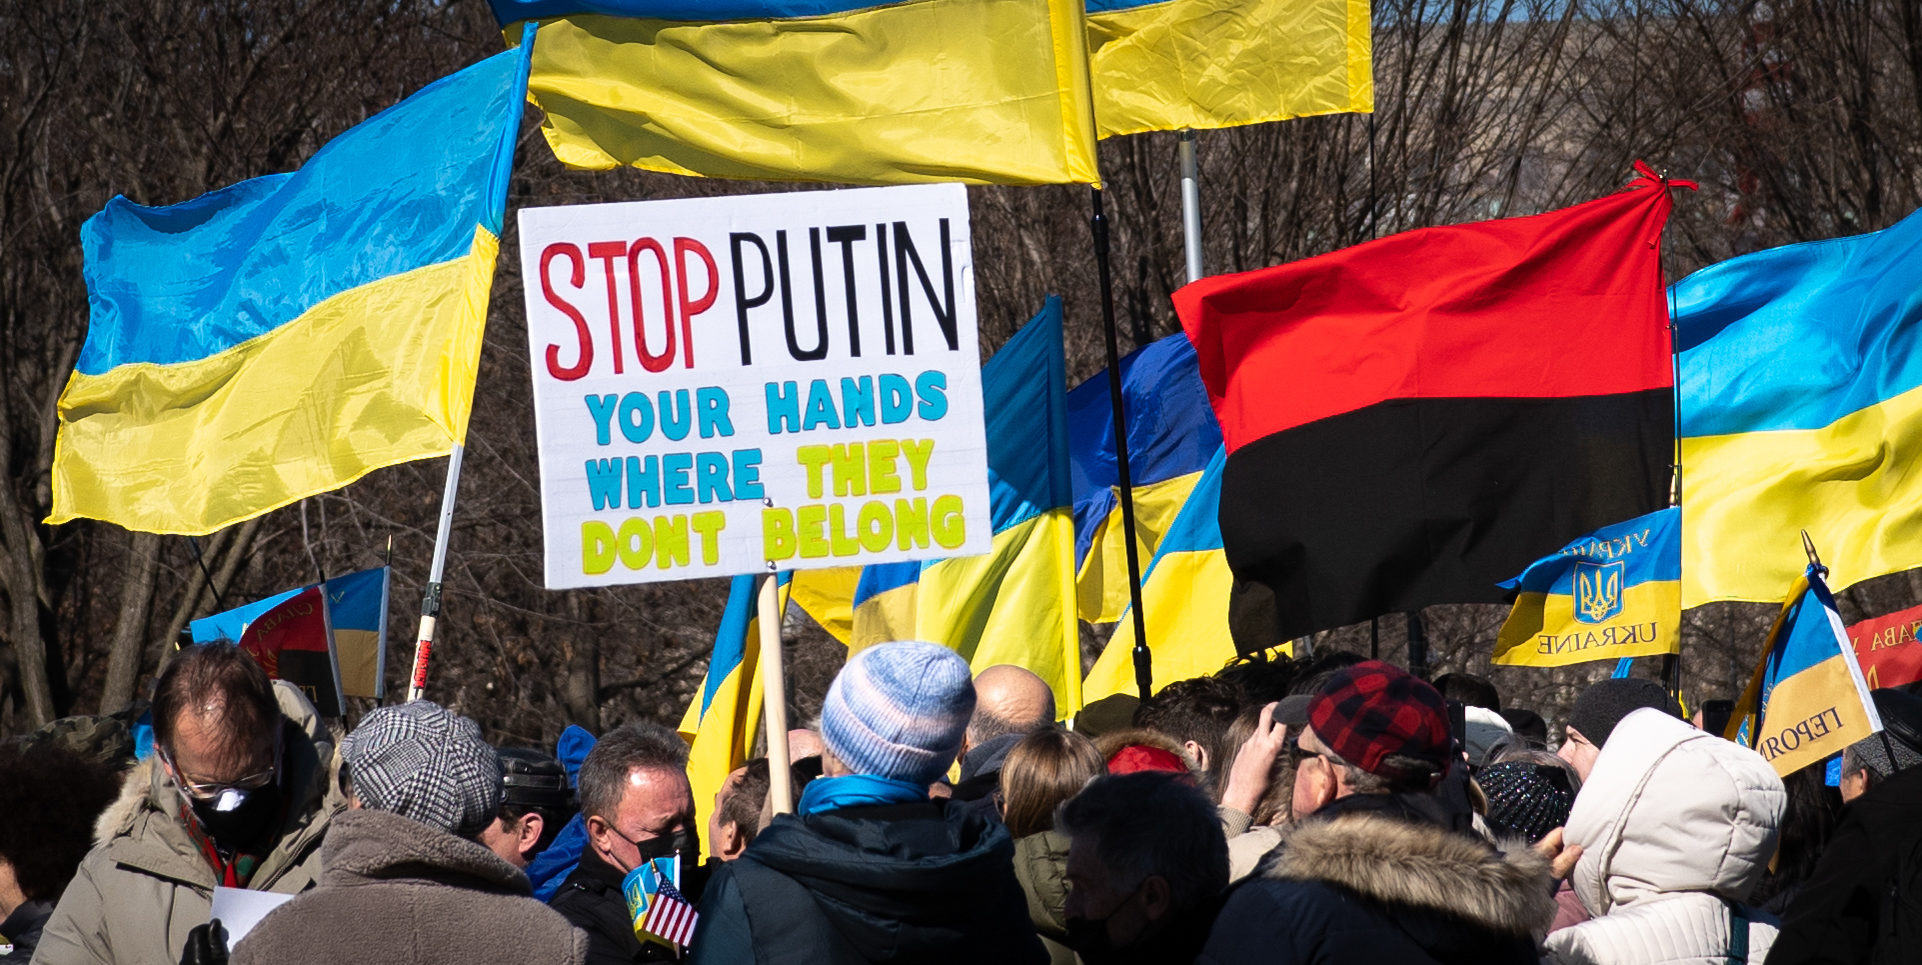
pixel 1412 420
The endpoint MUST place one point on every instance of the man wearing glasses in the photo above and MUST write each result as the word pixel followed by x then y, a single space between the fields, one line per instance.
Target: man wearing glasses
pixel 1380 868
pixel 236 795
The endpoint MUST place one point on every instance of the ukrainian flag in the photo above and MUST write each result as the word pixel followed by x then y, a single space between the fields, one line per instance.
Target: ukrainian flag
pixel 1613 594
pixel 289 334
pixel 1807 691
pixel 1171 435
pixel 1014 605
pixel 1801 408
pixel 827 595
pixel 1164 65
pixel 857 91
pixel 357 614
pixel 1184 600
pixel 721 720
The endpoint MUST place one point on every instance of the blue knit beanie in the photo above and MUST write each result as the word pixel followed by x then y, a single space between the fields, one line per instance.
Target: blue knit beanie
pixel 898 710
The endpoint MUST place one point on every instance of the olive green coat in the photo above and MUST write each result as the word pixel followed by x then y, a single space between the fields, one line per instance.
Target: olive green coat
pixel 146 884
pixel 1041 865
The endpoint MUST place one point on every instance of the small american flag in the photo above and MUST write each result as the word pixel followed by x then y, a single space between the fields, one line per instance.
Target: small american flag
pixel 671 917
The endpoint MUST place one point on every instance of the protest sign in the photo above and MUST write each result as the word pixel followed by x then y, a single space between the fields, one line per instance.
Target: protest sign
pixel 1887 650
pixel 745 384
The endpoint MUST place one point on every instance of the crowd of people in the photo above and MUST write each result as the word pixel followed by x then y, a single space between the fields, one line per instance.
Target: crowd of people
pixel 1324 810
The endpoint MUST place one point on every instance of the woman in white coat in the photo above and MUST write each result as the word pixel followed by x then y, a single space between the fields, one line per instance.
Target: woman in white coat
pixel 1676 827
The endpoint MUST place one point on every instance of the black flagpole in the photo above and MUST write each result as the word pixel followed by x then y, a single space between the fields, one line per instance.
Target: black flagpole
pixel 1144 673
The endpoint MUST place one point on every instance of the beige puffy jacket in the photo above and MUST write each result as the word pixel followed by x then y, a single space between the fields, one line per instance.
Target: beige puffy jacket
pixel 1676 826
pixel 145 884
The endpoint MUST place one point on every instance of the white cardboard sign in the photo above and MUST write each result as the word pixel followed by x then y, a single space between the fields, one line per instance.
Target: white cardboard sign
pixel 743 384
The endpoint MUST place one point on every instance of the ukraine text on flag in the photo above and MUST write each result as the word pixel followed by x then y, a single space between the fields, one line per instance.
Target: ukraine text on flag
pixel 1014 605
pixel 1163 65
pixel 1800 399
pixel 289 334
pixel 1613 593
pixel 855 91
pixel 720 721
pixel 1807 699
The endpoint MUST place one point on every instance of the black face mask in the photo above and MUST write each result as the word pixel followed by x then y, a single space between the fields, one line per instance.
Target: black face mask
pixel 1089 936
pixel 682 842
pixel 244 826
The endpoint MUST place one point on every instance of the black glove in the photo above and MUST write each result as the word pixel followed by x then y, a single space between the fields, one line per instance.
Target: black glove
pixel 206 945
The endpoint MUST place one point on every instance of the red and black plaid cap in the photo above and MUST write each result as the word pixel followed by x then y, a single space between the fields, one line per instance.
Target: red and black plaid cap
pixel 1371 710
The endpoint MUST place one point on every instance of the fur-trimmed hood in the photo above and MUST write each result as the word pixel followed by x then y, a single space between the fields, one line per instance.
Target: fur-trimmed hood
pixel 1108 745
pixel 1403 865
pixel 148 804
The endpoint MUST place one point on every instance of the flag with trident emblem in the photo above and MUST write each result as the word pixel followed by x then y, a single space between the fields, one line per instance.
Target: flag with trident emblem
pixel 1613 593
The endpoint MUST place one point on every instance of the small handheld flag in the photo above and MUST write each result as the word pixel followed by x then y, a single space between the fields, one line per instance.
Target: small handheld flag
pixel 1614 593
pixel 659 911
pixel 671 917
pixel 1807 699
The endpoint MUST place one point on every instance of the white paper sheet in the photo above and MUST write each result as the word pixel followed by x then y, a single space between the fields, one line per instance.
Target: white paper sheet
pixel 240 909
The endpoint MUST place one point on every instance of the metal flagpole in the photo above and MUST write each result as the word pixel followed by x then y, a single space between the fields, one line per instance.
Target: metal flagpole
pixel 1144 674
pixel 430 598
pixel 1190 201
pixel 1417 645
pixel 780 785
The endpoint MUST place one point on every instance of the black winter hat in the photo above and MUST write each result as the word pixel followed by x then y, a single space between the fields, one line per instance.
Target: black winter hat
pixel 534 779
pixel 1604 704
pixel 1526 799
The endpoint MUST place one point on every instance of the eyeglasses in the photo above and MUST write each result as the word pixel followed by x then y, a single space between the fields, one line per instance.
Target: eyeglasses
pixel 1298 753
pixel 210 790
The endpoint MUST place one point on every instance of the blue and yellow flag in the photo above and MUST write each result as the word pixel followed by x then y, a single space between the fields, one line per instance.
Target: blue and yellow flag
pixel 721 720
pixel 1614 593
pixel 1162 65
pixel 289 334
pixel 357 614
pixel 1014 605
pixel 355 634
pixel 1184 600
pixel 1807 692
pixel 1171 435
pixel 855 91
pixel 1801 408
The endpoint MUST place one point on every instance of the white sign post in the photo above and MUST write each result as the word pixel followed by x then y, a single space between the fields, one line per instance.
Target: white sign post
pixel 749 384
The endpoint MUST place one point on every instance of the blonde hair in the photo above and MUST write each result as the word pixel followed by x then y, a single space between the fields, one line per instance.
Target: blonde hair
pixel 1041 772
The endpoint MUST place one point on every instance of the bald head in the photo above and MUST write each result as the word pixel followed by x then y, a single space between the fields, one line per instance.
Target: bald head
pixel 802 742
pixel 1008 700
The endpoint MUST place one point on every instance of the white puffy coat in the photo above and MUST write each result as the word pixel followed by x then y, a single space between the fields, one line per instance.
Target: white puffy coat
pixel 1674 825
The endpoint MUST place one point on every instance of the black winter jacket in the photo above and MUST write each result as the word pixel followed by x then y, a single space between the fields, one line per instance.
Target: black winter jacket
pixel 590 899
pixel 1377 883
pixel 1863 903
pixel 925 882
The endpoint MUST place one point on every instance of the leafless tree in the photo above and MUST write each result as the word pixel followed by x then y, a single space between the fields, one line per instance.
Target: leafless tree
pixel 1802 119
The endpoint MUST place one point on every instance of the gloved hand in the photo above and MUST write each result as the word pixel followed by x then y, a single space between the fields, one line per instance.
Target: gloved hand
pixel 206 945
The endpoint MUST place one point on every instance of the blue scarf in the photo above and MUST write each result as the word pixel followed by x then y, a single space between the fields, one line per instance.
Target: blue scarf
pixel 857 790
